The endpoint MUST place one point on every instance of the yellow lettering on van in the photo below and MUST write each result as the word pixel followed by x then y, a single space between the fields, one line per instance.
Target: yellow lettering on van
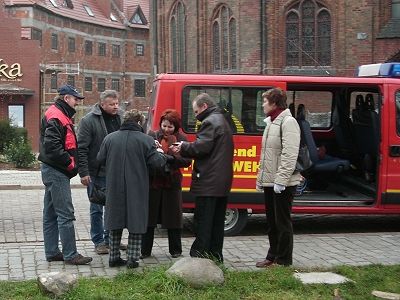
pixel 245 166
pixel 245 152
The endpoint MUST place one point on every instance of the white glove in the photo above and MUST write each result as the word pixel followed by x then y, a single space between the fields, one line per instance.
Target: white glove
pixel 259 188
pixel 160 150
pixel 278 188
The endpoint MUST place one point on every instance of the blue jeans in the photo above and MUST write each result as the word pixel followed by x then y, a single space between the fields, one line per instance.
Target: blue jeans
pixel 98 235
pixel 58 214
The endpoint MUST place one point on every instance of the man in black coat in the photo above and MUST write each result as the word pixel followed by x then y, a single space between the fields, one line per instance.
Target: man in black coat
pixel 58 154
pixel 211 177
pixel 104 118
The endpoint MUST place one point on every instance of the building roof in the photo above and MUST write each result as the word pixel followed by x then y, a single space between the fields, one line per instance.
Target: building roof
pixel 101 10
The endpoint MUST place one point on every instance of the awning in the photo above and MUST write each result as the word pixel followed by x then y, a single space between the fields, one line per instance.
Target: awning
pixel 11 89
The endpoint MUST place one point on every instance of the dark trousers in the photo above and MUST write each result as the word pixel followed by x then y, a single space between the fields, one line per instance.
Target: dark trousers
pixel 279 225
pixel 209 221
pixel 174 241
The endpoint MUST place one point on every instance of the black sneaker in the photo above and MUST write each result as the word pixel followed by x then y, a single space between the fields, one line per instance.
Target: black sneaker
pixel 79 260
pixel 176 255
pixel 117 263
pixel 57 257
pixel 143 256
pixel 132 264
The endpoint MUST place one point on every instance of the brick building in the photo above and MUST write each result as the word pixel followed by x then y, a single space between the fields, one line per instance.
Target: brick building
pixel 316 37
pixel 93 45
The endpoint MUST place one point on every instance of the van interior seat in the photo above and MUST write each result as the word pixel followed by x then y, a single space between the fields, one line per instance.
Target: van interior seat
pixel 327 163
pixel 366 127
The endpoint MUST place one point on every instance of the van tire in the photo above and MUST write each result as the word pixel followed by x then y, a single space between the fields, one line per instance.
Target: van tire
pixel 235 221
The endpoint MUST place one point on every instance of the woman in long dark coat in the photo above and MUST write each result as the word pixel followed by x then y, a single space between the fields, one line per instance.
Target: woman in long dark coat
pixel 165 196
pixel 128 155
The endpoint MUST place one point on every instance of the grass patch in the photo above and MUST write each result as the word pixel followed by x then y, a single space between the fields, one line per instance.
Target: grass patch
pixel 275 283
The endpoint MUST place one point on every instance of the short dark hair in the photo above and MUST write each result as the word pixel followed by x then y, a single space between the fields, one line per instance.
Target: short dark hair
pixel 204 98
pixel 173 117
pixel 276 96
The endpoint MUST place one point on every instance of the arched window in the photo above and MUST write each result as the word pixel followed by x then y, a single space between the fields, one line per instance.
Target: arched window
pixel 178 37
pixel 224 41
pixel 308 34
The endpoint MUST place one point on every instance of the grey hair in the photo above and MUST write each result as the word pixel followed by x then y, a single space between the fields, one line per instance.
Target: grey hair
pixel 204 98
pixel 134 115
pixel 108 94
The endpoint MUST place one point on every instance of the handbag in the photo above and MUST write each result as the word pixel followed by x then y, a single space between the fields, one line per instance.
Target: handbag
pixel 303 162
pixel 97 193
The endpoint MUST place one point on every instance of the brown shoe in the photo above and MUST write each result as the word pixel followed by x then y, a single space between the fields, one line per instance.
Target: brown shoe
pixel 79 260
pixel 265 263
pixel 101 249
pixel 57 257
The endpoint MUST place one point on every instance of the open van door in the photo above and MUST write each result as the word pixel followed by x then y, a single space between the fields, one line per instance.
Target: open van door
pixel 391 153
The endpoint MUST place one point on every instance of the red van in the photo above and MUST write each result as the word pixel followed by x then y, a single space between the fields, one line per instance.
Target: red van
pixel 350 125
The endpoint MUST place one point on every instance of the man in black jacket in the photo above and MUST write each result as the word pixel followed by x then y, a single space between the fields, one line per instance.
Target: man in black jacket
pixel 58 154
pixel 211 177
pixel 104 118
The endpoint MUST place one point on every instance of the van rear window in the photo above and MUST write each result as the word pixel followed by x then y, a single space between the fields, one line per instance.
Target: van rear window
pixel 242 105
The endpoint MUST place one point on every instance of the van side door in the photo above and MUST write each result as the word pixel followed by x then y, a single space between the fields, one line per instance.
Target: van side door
pixel 391 195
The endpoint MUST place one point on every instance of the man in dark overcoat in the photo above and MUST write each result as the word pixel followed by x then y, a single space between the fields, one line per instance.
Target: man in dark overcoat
pixel 211 177
pixel 128 154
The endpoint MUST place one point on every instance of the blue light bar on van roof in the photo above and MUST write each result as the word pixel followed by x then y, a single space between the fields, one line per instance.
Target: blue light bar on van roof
pixel 380 70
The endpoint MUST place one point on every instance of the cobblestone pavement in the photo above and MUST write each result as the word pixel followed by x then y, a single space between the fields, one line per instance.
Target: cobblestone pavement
pixel 22 254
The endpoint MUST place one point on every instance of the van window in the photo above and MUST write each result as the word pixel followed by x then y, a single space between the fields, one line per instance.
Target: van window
pixel 318 106
pixel 398 112
pixel 242 107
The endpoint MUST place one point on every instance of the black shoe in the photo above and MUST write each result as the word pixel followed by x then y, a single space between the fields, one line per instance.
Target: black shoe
pixel 144 256
pixel 117 263
pixel 79 260
pixel 57 257
pixel 176 255
pixel 132 264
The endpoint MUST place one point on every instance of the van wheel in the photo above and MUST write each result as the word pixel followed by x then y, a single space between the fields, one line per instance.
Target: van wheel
pixel 235 221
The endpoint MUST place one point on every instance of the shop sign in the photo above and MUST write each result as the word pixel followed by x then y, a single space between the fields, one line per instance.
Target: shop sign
pixel 10 72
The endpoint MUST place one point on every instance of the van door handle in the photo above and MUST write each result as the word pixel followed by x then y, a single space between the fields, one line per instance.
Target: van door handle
pixel 394 150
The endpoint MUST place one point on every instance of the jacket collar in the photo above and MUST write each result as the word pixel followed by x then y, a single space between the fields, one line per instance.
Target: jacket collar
pixel 65 108
pixel 133 126
pixel 204 114
pixel 279 119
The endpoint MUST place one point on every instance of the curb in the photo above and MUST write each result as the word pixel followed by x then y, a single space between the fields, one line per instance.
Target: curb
pixel 5 187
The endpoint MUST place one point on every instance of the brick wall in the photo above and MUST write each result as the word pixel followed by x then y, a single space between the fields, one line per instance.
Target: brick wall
pixel 26 53
pixel 355 26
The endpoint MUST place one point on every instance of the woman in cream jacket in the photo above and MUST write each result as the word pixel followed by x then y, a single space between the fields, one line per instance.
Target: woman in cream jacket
pixel 277 176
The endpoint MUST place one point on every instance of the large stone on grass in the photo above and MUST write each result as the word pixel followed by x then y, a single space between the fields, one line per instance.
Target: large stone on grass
pixel 57 283
pixel 197 272
pixel 321 277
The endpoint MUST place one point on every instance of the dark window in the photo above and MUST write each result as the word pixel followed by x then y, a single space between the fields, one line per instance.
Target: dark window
pixel 136 19
pixel 224 52
pixel 37 35
pixel 71 44
pixel 139 49
pixel 71 80
pixel 88 84
pixel 88 47
pixel 178 37
pixel 101 84
pixel 54 41
pixel 116 49
pixel 140 87
pixel 115 84
pixel 308 34
pixel 102 49
pixel 242 106
pixel 53 81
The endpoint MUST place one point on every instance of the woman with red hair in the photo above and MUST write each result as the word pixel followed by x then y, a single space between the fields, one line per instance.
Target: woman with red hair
pixel 165 197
